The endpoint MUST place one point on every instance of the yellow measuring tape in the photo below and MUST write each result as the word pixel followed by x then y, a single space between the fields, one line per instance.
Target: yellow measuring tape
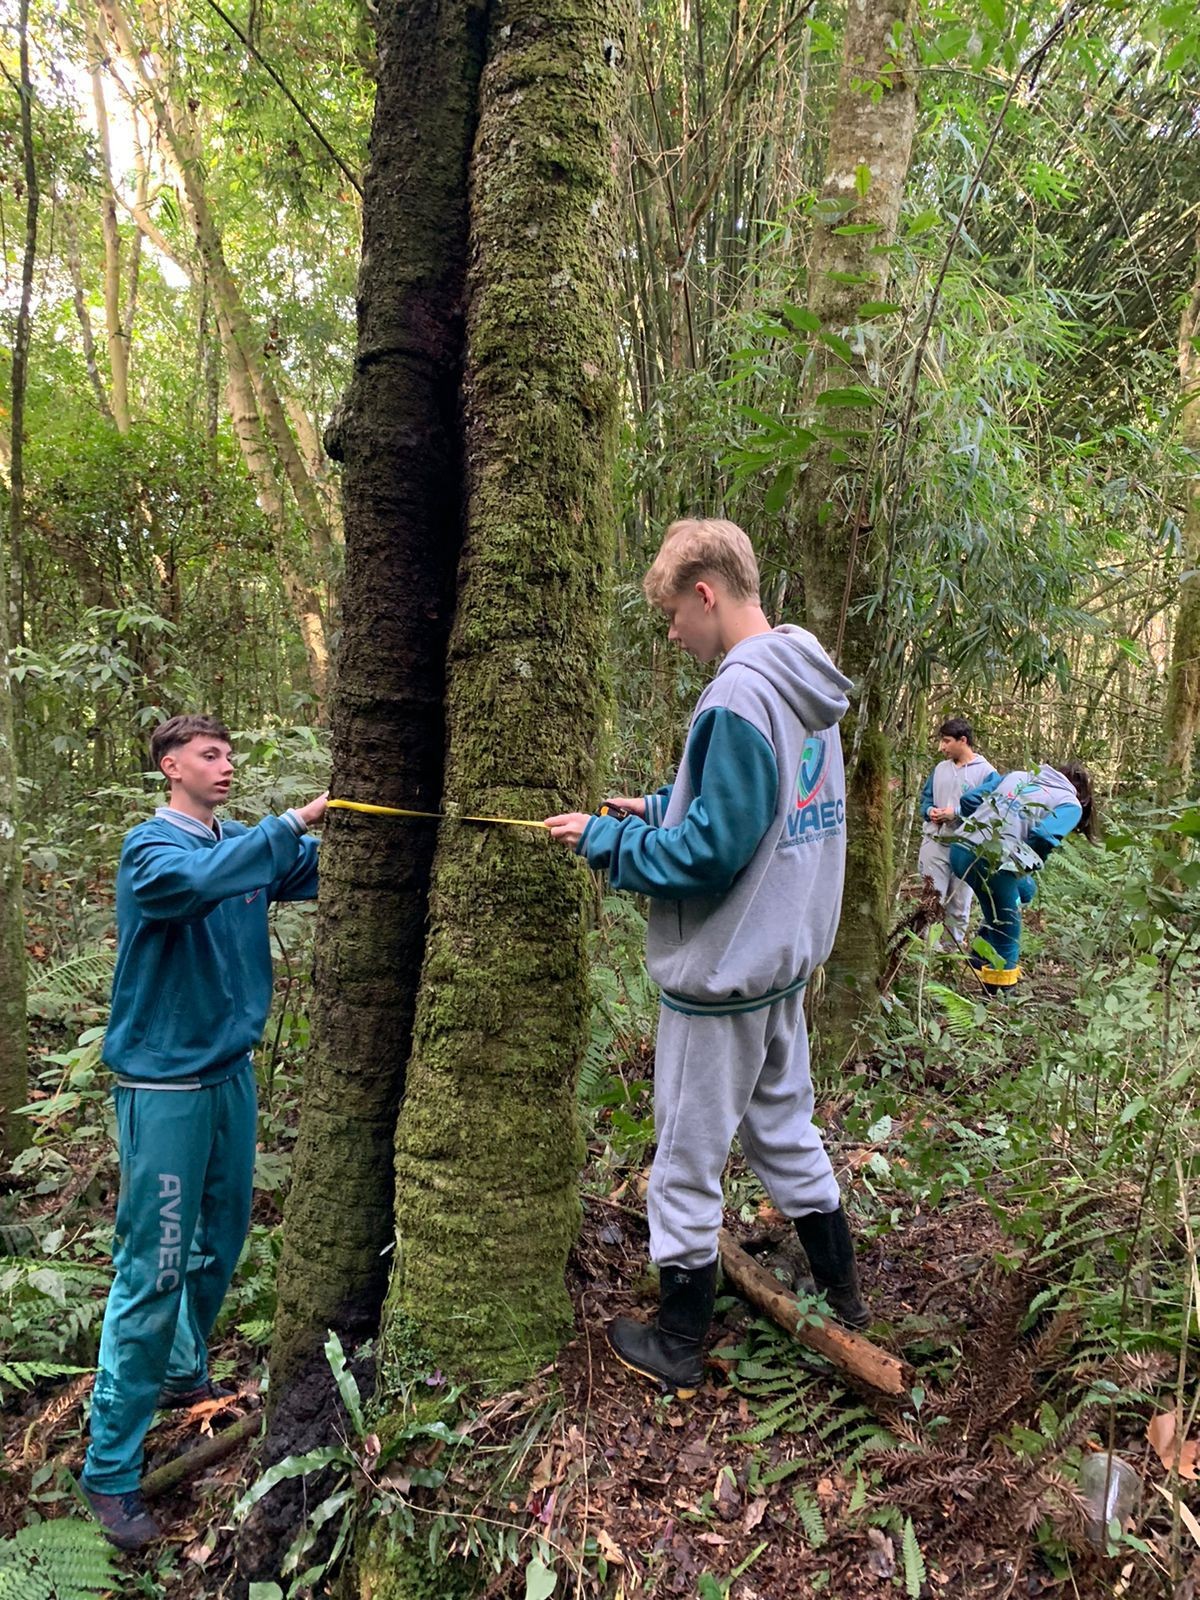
pixel 430 816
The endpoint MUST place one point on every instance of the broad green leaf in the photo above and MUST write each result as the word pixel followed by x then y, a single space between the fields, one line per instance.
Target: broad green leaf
pixel 776 496
pixel 540 1580
pixel 347 1387
pixel 854 395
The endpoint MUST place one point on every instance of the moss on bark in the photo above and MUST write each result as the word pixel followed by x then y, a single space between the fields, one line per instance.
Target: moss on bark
pixel 398 434
pixel 488 1146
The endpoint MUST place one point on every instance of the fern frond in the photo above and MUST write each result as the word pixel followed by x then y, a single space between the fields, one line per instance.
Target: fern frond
pixel 959 1012
pixel 811 1519
pixel 22 1375
pixel 68 1559
pixel 914 1561
pixel 73 982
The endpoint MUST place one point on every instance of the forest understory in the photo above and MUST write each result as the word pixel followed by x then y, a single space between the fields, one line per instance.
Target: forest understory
pixel 1013 1252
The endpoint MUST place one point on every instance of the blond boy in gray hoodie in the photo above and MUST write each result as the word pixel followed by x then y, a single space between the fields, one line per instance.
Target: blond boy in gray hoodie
pixel 743 858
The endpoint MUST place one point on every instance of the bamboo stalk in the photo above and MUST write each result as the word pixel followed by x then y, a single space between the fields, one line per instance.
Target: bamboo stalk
pixel 848 1351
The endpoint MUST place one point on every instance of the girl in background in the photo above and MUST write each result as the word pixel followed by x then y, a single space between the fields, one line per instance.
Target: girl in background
pixel 1012 822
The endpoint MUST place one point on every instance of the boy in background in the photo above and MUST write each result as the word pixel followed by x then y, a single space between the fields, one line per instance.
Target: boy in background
pixel 961 768
pixel 743 859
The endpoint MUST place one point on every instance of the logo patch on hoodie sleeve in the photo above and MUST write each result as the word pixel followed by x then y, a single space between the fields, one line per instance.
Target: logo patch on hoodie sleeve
pixel 817 811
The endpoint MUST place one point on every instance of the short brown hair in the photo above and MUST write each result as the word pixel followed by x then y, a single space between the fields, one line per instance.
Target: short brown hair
pixel 696 546
pixel 169 735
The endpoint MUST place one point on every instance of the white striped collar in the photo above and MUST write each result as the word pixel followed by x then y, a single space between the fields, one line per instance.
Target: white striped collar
pixel 189 824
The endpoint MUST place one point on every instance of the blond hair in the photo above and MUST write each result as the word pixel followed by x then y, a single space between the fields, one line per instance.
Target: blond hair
pixel 698 547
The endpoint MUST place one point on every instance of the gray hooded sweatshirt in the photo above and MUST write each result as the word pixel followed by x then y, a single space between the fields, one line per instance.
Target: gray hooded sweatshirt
pixel 744 855
pixel 1016 820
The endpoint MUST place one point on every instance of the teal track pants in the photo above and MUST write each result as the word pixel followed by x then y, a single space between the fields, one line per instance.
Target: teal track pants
pixel 187 1175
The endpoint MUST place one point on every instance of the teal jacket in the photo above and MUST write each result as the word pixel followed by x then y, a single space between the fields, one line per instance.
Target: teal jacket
pixel 193 981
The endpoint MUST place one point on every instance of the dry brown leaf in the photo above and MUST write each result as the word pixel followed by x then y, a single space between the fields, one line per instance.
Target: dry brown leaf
pixel 543 1473
pixel 755 1512
pixel 1160 1431
pixel 1185 1516
pixel 609 1548
pixel 882 1557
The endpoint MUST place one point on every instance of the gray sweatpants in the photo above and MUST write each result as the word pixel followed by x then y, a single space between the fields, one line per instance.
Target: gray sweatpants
pixel 717 1076
pixel 933 863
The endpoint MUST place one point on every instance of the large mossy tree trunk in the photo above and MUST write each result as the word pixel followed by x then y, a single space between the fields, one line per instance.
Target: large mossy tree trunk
pixel 398 434
pixel 488 1143
pixel 1181 722
pixel 870 144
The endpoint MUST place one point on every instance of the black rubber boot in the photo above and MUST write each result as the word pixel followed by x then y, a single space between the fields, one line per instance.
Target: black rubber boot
pixel 199 1394
pixel 670 1350
pixel 825 1236
pixel 124 1518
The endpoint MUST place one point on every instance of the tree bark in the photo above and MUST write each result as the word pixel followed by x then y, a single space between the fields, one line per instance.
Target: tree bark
pixel 488 1144
pixel 870 144
pixel 398 435
pixel 1181 721
pixel 75 267
pixel 14 1059
pixel 118 345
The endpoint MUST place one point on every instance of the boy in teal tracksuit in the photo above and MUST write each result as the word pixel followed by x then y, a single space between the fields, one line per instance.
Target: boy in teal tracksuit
pixel 743 859
pixel 191 992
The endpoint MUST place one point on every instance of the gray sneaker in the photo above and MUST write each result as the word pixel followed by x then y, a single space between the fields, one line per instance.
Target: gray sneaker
pixel 124 1518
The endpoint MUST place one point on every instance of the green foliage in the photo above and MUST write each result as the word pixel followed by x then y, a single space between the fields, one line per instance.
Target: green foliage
pixel 914 1561
pixel 61 989
pixel 68 1559
pixel 21 1376
pixel 49 1310
pixel 811 1520
pixel 361 1478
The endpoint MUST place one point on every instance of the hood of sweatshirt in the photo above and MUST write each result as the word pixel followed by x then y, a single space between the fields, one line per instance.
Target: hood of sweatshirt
pixel 797 668
pixel 1059 791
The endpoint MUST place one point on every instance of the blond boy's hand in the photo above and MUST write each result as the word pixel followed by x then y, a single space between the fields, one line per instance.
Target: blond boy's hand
pixel 568 827
pixel 633 803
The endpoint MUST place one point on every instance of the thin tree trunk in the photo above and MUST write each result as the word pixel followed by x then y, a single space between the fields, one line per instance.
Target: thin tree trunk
pixel 14 1060
pixel 1181 722
pixel 488 1145
pixel 118 348
pixel 75 267
pixel 397 433
pixel 870 144
pixel 247 428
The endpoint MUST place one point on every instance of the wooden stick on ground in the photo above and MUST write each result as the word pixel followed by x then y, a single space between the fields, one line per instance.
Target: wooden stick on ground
pixel 203 1455
pixel 849 1351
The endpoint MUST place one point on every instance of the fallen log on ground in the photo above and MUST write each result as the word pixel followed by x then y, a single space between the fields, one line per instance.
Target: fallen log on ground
pixel 847 1350
pixel 206 1454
